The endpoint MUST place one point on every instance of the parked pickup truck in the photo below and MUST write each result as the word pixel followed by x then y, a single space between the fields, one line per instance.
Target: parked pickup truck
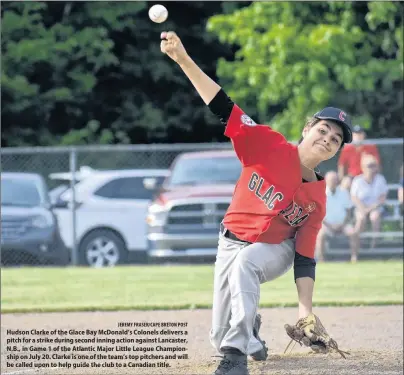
pixel 184 219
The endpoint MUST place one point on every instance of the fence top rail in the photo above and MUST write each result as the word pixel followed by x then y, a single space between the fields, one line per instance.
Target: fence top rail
pixel 153 147
pixel 142 147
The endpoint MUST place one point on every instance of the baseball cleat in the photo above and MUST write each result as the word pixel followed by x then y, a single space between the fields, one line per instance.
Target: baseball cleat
pixel 232 364
pixel 262 354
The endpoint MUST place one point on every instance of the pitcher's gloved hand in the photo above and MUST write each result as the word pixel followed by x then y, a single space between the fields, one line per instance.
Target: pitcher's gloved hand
pixel 310 332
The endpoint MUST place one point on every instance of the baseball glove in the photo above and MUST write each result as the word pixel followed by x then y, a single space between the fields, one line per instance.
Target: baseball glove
pixel 310 332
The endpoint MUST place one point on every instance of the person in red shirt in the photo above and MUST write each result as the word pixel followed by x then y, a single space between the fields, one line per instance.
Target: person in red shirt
pixel 274 217
pixel 349 162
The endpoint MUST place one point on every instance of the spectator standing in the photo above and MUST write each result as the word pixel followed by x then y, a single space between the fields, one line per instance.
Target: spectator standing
pixel 337 215
pixel 368 193
pixel 349 162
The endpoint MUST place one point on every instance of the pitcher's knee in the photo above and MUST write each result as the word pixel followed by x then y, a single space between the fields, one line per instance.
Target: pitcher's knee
pixel 245 260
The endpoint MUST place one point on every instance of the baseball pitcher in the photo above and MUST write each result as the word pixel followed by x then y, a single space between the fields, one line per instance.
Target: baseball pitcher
pixel 272 222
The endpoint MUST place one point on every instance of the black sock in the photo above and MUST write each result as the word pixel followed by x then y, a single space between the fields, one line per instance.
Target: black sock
pixel 230 350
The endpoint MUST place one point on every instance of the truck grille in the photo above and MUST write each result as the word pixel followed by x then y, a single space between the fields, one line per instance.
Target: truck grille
pixel 187 207
pixel 203 214
pixel 12 230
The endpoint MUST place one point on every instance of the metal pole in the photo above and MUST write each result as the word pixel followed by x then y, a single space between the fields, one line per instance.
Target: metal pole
pixel 73 168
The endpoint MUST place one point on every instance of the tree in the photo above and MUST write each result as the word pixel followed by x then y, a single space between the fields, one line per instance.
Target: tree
pixel 52 55
pixel 78 72
pixel 295 58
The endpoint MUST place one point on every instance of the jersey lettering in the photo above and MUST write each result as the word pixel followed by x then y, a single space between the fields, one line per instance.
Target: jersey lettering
pixel 257 191
pixel 294 218
pixel 288 208
pixel 277 196
pixel 267 195
pixel 253 181
pixel 300 210
pixel 291 213
pixel 255 185
pixel 299 220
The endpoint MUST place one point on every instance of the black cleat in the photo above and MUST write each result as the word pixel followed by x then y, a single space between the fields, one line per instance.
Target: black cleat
pixel 262 354
pixel 232 364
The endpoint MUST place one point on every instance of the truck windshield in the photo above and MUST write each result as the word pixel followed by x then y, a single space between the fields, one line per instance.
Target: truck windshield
pixel 196 171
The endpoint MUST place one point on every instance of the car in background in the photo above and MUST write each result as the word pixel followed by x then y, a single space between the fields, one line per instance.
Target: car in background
pixel 29 228
pixel 110 215
pixel 184 218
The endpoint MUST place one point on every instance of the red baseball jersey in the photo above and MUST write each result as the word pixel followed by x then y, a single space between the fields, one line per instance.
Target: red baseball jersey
pixel 270 202
pixel 351 155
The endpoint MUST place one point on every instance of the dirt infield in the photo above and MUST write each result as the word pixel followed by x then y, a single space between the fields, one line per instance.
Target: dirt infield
pixel 373 335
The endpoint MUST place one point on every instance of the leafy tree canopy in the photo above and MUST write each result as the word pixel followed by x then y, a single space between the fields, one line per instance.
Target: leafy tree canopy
pixel 295 58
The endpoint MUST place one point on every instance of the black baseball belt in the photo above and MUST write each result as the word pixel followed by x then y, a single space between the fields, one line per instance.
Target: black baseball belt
pixel 228 234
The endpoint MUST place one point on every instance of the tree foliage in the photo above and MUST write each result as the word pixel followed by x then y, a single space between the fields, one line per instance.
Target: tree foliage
pixel 53 57
pixel 295 58
pixel 77 72
pixel 92 72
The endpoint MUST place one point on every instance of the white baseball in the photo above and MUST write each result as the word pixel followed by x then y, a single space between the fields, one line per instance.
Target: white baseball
pixel 158 13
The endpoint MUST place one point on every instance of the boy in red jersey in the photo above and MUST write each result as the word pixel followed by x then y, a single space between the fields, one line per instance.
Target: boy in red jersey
pixel 273 220
pixel 349 162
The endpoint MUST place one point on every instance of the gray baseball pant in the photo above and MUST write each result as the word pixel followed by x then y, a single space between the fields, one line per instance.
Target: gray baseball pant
pixel 240 268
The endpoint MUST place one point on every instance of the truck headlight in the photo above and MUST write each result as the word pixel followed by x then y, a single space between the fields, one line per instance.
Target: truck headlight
pixel 42 221
pixel 157 215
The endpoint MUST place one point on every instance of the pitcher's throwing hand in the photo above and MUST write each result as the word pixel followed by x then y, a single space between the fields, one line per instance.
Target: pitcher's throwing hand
pixel 172 46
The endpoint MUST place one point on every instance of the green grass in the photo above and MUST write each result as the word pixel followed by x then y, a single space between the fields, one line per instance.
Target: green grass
pixel 183 287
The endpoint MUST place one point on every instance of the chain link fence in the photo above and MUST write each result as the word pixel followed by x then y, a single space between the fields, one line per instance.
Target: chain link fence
pixel 47 160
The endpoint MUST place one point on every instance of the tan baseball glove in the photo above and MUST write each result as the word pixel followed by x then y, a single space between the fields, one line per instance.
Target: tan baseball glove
pixel 310 332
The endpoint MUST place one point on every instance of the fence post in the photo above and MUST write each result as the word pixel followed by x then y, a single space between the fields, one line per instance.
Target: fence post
pixel 73 168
